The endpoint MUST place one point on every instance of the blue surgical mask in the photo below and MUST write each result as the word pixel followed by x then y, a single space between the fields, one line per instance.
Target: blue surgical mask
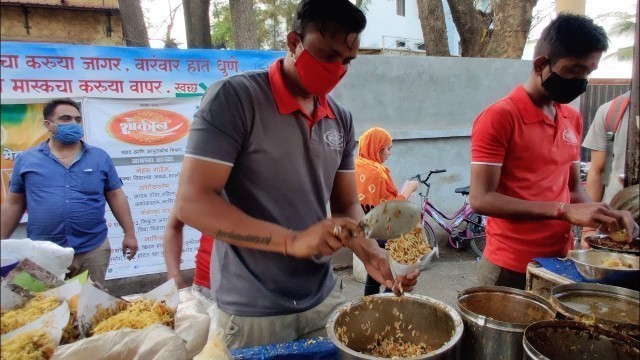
pixel 69 133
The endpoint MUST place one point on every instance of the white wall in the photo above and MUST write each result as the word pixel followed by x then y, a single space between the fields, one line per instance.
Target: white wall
pixel 382 21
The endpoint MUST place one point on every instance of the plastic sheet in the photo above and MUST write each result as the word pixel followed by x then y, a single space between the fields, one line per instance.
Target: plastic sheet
pixel 564 268
pixel 320 348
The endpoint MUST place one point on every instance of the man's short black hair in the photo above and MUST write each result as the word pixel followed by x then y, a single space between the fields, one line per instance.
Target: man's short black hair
pixel 571 35
pixel 342 13
pixel 51 106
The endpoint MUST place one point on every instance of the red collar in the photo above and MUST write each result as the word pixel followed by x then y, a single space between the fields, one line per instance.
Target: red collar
pixel 287 103
pixel 530 112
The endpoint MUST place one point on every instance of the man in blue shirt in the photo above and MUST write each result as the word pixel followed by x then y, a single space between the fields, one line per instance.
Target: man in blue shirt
pixel 63 184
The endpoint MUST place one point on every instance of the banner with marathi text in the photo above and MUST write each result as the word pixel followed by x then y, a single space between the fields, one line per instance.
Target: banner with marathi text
pixel 33 70
pixel 137 104
pixel 21 128
pixel 146 140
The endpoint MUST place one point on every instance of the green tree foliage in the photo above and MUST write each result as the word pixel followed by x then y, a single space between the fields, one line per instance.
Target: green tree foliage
pixel 274 18
pixel 221 30
pixel 625 26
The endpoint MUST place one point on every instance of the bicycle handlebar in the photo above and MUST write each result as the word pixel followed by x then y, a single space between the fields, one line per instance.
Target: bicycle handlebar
pixel 430 172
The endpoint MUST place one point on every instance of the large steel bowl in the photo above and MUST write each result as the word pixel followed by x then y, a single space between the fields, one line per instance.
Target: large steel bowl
pixel 575 340
pixel 420 319
pixel 589 265
pixel 609 306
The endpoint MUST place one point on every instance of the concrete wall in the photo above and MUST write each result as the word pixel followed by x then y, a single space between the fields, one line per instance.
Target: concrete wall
pixel 428 104
pixel 86 27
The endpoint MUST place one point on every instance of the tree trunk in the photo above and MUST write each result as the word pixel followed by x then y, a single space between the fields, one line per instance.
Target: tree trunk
pixel 632 159
pixel 434 27
pixel 134 29
pixel 472 26
pixel 197 26
pixel 511 25
pixel 243 21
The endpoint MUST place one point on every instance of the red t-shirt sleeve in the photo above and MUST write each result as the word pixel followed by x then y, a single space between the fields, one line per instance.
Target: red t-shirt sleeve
pixel 203 262
pixel 490 135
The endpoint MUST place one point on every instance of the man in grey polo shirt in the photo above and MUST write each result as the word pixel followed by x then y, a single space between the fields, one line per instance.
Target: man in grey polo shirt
pixel 280 149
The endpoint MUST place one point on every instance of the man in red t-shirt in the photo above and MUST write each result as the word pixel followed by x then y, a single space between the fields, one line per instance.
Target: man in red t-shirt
pixel 172 256
pixel 525 172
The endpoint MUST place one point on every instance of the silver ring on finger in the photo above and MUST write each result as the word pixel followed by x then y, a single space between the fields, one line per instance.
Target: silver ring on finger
pixel 337 230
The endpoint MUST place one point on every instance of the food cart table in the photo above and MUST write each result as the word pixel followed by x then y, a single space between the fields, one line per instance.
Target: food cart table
pixel 540 280
pixel 545 273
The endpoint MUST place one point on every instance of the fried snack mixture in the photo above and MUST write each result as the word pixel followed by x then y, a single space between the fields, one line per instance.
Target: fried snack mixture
pixel 137 314
pixel 392 342
pixel 615 263
pixel 70 333
pixel 32 310
pixel 408 248
pixel 29 345
pixel 392 348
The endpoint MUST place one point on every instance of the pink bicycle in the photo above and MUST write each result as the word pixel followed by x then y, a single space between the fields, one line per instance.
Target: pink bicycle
pixel 464 227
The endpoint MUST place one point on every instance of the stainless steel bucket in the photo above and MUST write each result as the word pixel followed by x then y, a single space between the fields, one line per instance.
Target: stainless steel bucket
pixel 412 318
pixel 495 318
pixel 575 340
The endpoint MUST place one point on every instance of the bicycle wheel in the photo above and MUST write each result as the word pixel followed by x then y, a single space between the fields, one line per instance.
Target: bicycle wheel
pixel 431 236
pixel 477 244
pixel 433 244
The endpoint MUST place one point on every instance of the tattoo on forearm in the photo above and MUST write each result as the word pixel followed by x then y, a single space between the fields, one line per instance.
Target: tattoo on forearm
pixel 265 240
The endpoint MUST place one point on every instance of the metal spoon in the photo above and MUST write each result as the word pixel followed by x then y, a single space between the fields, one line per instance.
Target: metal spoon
pixel 390 219
pixel 386 221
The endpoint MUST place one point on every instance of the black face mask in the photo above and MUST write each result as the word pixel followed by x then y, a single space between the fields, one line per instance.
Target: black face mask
pixel 563 90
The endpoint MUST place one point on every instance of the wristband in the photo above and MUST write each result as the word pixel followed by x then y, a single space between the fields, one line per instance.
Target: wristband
pixel 560 211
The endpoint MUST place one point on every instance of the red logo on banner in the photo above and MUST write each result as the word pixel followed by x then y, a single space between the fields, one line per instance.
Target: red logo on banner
pixel 148 127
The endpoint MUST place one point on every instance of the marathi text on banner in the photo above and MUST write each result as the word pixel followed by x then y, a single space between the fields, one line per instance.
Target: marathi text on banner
pixel 146 140
pixel 44 71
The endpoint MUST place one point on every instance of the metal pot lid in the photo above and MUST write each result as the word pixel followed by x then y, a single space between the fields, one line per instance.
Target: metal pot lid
pixel 603 304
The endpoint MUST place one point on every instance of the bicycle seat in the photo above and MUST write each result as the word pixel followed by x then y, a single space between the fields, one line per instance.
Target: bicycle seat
pixel 462 190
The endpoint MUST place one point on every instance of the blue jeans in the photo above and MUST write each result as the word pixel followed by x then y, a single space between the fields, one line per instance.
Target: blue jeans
pixel 371 286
